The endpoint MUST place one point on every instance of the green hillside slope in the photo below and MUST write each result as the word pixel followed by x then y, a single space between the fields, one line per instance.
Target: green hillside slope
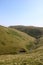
pixel 13 41
pixel 36 32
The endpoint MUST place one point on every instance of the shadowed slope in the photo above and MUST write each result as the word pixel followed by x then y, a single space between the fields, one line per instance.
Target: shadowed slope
pixel 36 32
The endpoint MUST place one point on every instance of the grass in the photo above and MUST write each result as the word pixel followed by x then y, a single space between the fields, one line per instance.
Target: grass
pixel 36 32
pixel 12 45
pixel 22 59
pixel 12 40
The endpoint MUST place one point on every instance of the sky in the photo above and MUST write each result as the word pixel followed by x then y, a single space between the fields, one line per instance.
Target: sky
pixel 21 12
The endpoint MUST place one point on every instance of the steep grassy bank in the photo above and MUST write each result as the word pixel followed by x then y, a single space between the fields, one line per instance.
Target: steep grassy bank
pixel 13 41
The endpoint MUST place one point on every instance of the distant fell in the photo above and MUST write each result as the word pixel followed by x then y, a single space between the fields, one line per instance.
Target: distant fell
pixel 36 32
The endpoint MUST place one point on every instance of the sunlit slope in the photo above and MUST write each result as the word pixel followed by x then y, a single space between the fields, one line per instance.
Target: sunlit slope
pixel 13 41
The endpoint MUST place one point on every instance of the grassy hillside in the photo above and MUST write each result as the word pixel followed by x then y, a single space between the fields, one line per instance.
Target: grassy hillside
pixel 13 41
pixel 36 32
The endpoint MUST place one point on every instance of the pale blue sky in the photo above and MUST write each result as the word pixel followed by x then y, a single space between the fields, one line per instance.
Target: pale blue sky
pixel 21 12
